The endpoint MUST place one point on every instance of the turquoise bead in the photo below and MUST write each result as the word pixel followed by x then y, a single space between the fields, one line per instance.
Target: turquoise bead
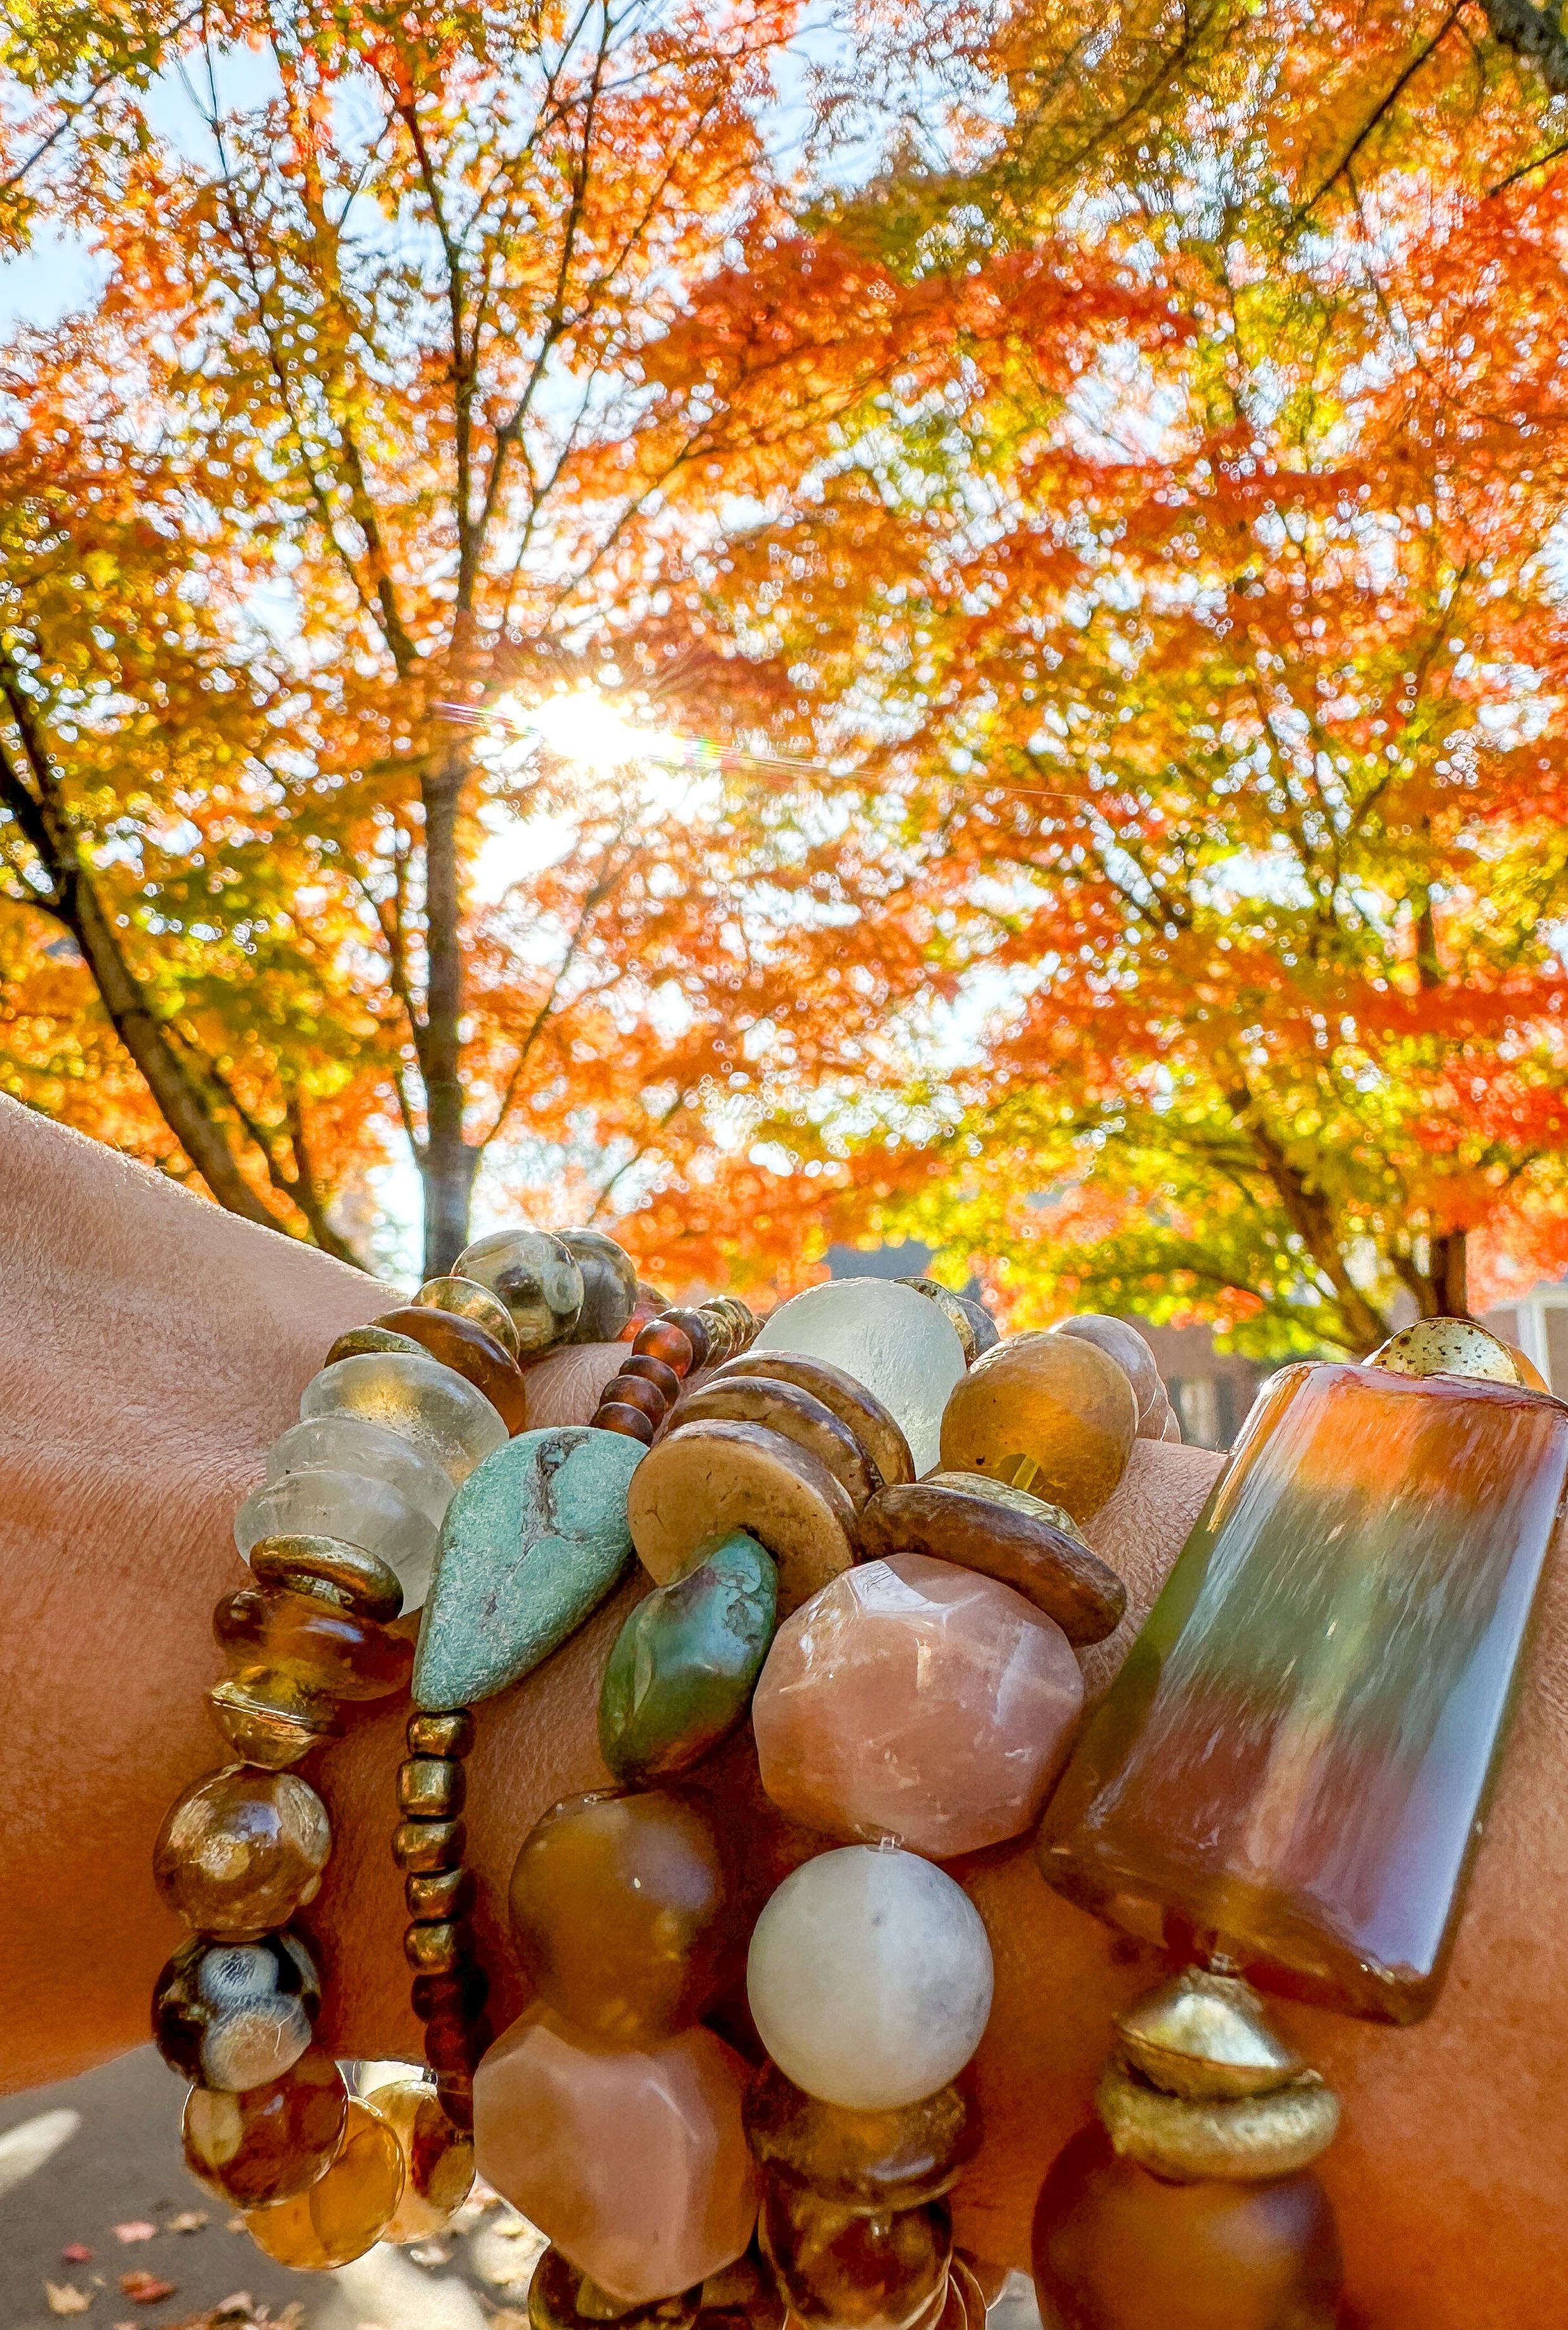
pixel 684 1664
pixel 532 1543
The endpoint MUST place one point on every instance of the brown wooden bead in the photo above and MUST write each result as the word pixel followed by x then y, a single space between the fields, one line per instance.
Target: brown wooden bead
pixel 331 1649
pixel 370 1584
pixel 433 1787
pixel 270 2142
pixel 438 1892
pixel 874 1426
pixel 632 1391
pixel 798 1415
pixel 629 1421
pixel 1007 1534
pixel 451 1734
pixel 704 1480
pixel 464 1346
pixel 423 1844
pixel 240 1850
pixel 694 1328
pixel 463 1993
pixel 661 1340
pixel 654 1371
pixel 437 1946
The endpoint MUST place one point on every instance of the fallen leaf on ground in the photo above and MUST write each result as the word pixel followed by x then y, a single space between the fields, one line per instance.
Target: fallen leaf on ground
pixel 64 2298
pixel 292 2315
pixel 189 2220
pixel 137 2230
pixel 242 2302
pixel 237 2224
pixel 75 2253
pixel 428 2253
pixel 145 2289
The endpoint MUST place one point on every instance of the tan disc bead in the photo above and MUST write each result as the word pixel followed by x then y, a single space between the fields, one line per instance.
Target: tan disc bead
pixel 370 1338
pixel 1050 1414
pixel 1448 1347
pixel 1240 2139
pixel 1007 1534
pixel 707 1479
pixel 269 1718
pixel 345 2212
pixel 241 1849
pixel 874 1426
pixel 798 1415
pixel 465 1297
pixel 438 2160
pixel 1207 2035
pixel 363 1581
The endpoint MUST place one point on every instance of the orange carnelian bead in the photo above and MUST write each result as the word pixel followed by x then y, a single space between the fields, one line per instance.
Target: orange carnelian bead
pixel 662 1339
pixel 345 2212
pixel 618 1909
pixel 241 1849
pixel 329 1649
pixel 1116 2248
pixel 269 2142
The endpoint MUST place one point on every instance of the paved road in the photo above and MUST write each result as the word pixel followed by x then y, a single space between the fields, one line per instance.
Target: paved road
pixel 76 2161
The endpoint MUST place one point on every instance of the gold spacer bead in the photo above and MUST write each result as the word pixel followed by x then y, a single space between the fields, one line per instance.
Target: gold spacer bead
pixel 373 1339
pixel 438 1947
pixel 1205 2035
pixel 1447 1347
pixel 438 1893
pixel 431 1787
pixel 370 1583
pixel 1240 2139
pixel 447 1733
pixel 422 1845
pixel 466 1299
pixel 269 1719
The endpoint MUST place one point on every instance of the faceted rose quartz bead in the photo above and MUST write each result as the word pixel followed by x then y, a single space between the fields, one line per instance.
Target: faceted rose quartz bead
pixel 1295 1757
pixel 634 2163
pixel 915 1699
pixel 1116 2248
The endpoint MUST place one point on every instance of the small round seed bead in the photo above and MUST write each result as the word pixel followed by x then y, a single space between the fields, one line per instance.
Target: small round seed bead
pixel 653 1371
pixel 660 1340
pixel 437 1946
pixel 425 1844
pixel 433 1787
pixel 441 1735
pixel 631 1421
pixel 631 1391
pixel 694 1326
pixel 439 1892
pixel 370 1584
pixel 455 2043
pixel 461 1993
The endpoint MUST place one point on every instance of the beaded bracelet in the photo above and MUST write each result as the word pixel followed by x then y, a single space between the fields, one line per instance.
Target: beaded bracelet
pixel 865 1530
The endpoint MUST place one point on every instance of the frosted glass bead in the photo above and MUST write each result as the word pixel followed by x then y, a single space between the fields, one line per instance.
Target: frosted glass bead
pixel 870 1977
pixel 354 1506
pixel 418 1399
pixel 348 1444
pixel 890 1339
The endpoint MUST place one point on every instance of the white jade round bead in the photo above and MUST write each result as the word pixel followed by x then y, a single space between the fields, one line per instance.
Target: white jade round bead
pixel 889 1338
pixel 870 1977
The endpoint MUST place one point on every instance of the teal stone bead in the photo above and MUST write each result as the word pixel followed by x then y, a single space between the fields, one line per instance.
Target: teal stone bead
pixel 532 1543
pixel 684 1663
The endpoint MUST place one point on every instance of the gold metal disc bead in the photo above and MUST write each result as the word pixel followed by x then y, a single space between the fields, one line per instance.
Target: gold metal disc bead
pixel 1207 2035
pixel 1239 2139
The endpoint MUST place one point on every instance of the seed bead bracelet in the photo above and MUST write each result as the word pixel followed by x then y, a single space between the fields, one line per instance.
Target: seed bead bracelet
pixel 867 1531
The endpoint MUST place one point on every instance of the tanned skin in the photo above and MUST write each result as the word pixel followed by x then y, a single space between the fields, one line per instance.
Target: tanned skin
pixel 151 1346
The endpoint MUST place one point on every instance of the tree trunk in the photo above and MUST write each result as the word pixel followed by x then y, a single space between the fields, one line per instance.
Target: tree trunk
pixel 1448 1274
pixel 447 1163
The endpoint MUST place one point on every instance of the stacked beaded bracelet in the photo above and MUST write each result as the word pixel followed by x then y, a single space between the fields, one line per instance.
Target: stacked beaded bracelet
pixel 865 1529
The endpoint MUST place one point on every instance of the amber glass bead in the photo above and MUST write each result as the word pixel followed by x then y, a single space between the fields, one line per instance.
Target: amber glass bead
pixel 461 1993
pixel 694 1326
pixel 451 1734
pixel 652 1372
pixel 618 1909
pixel 330 1649
pixel 561 2298
pixel 345 2212
pixel 431 1787
pixel 236 2014
pixel 634 1391
pixel 241 1849
pixel 864 2161
pixel 361 1581
pixel 437 1947
pixel 744 2296
pixel 270 2142
pixel 419 1846
pixel 438 2160
pixel 1341 1629
pixel 464 1346
pixel 1116 2248
pixel 1048 1412
pixel 439 1892
pixel 269 1718
pixel 660 1340
pixel 616 1416
pixel 468 1300
pixel 836 2266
